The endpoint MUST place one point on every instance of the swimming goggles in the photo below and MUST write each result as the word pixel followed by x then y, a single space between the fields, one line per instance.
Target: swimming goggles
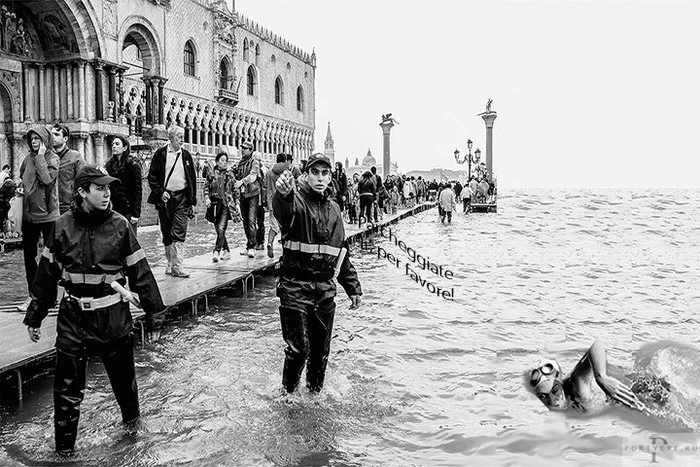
pixel 546 369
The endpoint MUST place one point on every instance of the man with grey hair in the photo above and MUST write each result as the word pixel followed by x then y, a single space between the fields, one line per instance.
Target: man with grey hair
pixel 173 181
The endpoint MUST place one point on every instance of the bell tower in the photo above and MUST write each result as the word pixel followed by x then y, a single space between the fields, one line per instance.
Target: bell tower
pixel 329 152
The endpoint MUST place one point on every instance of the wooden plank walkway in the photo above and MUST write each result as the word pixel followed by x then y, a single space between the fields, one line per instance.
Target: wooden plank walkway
pixel 206 277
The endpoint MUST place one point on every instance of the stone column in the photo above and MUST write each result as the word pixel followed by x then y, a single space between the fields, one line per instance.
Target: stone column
pixel 56 73
pixel 386 125
pixel 489 117
pixel 69 92
pixel 120 90
pixel 161 84
pixel 82 139
pixel 149 100
pixel 99 105
pixel 25 92
pixel 80 66
pixel 42 93
pixel 99 140
pixel 111 84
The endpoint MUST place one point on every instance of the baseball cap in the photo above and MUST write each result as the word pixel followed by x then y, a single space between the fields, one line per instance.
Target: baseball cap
pixel 318 159
pixel 92 174
pixel 246 145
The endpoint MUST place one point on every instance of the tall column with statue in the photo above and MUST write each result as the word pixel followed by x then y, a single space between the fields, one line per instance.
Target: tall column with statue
pixel 489 116
pixel 387 124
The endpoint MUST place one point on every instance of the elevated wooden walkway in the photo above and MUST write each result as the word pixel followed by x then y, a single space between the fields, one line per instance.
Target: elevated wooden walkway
pixel 206 277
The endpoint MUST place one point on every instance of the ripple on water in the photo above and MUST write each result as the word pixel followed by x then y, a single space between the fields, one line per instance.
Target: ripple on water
pixel 414 379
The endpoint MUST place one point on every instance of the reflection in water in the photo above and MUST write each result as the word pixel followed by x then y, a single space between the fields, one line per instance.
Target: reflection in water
pixel 414 379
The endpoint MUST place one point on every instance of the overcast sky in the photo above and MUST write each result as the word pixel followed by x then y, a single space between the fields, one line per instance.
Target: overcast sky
pixel 588 93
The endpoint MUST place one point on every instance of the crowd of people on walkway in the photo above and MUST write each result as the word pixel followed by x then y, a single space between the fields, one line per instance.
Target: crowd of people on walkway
pixel 87 217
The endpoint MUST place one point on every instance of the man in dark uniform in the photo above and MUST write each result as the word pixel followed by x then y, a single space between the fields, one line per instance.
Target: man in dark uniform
pixel 314 253
pixel 88 248
pixel 173 182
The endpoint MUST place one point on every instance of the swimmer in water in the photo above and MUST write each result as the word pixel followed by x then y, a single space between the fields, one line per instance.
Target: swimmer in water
pixel 585 388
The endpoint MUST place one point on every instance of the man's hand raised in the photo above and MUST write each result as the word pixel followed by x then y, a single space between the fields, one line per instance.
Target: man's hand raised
pixel 285 183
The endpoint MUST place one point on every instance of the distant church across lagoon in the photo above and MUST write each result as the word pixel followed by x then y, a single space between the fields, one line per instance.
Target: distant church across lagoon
pixel 367 162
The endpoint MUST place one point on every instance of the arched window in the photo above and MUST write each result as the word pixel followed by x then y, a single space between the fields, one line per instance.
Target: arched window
pixel 252 81
pixel 300 99
pixel 189 58
pixel 279 91
pixel 223 74
pixel 257 53
pixel 245 49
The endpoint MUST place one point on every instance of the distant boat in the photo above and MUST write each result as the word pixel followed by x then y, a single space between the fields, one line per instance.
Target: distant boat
pixel 483 207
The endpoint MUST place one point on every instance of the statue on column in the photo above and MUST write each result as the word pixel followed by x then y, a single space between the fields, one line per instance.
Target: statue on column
pixel 488 105
pixel 388 118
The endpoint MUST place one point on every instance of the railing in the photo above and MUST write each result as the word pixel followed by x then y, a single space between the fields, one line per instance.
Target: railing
pixel 227 96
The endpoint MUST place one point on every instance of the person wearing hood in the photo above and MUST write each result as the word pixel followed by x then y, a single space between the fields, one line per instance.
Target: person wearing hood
pixel 39 175
pixel 314 254
pixel 126 199
pixel 70 162
pixel 271 177
pixel 90 248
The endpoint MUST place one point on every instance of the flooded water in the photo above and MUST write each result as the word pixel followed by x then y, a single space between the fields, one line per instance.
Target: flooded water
pixel 415 378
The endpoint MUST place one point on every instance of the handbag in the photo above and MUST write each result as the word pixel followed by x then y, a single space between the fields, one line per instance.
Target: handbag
pixel 212 211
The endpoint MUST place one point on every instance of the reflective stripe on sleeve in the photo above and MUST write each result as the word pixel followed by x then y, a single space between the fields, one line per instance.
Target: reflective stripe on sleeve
pixel 135 257
pixel 311 248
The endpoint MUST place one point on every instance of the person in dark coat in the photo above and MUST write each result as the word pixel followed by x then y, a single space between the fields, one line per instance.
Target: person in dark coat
pixel 126 199
pixel 7 191
pixel 173 182
pixel 367 189
pixel 90 247
pixel 314 253
pixel 341 183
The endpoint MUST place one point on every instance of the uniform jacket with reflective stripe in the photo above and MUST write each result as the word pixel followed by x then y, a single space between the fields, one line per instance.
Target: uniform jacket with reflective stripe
pixel 312 235
pixel 89 245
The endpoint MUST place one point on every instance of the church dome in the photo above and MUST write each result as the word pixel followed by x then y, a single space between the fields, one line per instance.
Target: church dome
pixel 369 160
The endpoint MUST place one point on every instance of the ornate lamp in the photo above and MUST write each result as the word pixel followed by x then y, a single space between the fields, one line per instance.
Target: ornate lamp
pixel 467 157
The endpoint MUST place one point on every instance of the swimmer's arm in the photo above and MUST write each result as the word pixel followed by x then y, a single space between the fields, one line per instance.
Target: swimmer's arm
pixel 610 385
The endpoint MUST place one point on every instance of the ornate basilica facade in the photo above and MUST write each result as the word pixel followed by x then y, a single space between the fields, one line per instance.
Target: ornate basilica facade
pixel 133 67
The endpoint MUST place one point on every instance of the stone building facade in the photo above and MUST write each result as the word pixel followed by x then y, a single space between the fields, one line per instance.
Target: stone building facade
pixel 132 67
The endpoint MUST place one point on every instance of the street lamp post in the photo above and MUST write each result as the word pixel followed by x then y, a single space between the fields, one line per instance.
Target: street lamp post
pixel 468 157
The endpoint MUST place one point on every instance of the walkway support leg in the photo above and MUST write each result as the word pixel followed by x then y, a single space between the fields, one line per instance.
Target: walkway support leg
pixel 19 384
